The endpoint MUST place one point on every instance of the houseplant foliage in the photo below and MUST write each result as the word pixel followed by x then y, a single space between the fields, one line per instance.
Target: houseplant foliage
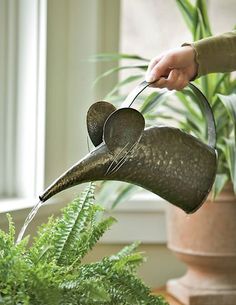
pixel 51 271
pixel 219 88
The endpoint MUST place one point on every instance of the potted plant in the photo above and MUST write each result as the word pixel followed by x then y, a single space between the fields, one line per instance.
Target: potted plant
pixel 51 270
pixel 206 240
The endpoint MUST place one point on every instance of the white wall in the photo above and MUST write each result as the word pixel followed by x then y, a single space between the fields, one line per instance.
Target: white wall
pixel 153 26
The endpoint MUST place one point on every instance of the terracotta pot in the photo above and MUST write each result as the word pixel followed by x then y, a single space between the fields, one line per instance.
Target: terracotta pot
pixel 206 242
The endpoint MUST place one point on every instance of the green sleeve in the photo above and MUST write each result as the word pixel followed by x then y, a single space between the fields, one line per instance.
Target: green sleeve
pixel 216 54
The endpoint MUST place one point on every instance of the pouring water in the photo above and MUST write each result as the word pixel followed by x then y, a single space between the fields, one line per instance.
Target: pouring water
pixel 28 220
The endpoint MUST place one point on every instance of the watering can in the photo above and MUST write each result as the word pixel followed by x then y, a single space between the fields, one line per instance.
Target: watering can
pixel 164 160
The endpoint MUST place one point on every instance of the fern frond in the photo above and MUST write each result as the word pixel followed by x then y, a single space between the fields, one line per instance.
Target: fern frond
pixel 73 221
pixel 127 289
pixel 11 229
pixel 78 244
pixel 43 241
pixel 129 262
pixel 127 250
pixel 89 239
pixel 91 290
pixel 123 286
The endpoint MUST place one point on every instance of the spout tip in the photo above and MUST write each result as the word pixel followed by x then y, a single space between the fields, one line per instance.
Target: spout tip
pixel 41 198
pixel 47 194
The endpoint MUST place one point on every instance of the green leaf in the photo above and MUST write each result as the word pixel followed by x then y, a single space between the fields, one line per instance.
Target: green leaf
pixel 116 57
pixel 220 78
pixel 188 12
pixel 125 194
pixel 229 101
pixel 152 100
pixel 123 83
pixel 190 104
pixel 112 193
pixel 205 86
pixel 117 69
pixel 230 153
pixel 190 119
pixel 201 4
pixel 219 184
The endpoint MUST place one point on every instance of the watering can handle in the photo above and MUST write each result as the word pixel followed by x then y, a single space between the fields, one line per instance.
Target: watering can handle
pixel 202 101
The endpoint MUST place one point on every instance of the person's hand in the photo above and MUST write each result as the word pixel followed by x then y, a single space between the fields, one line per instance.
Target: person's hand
pixel 172 69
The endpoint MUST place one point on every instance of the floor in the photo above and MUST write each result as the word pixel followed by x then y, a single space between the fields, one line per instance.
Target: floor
pixel 170 299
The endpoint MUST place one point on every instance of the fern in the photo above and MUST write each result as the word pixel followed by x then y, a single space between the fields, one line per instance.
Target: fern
pixel 74 221
pixel 51 270
pixel 89 239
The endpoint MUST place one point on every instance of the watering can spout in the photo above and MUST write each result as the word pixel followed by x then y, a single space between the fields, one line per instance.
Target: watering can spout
pixel 87 169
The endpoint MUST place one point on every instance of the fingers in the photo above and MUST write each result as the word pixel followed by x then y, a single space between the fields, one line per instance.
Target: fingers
pixel 182 58
pixel 158 67
pixel 149 75
pixel 176 80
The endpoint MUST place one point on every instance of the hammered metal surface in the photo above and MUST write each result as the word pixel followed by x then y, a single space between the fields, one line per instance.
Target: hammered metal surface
pixel 166 161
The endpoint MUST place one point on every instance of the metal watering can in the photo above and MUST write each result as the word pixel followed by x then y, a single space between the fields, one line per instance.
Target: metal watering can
pixel 164 160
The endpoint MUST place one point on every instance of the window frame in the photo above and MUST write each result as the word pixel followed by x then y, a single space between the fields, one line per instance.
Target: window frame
pixel 23 62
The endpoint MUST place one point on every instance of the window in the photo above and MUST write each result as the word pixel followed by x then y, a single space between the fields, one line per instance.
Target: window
pixel 22 62
pixel 46 88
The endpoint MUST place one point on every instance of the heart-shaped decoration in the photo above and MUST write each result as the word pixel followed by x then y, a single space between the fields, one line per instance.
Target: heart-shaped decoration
pixel 96 117
pixel 122 130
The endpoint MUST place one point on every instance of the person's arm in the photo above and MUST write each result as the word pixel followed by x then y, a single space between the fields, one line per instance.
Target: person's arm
pixel 216 54
pixel 175 68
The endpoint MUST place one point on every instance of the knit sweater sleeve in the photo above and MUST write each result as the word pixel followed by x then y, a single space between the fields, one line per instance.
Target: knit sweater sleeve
pixel 216 54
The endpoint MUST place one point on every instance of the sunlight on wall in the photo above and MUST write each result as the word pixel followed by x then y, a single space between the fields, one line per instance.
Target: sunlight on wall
pixel 153 26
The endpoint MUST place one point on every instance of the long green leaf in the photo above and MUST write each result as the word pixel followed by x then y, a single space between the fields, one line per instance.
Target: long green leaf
pixel 201 4
pixel 125 194
pixel 188 103
pixel 122 83
pixel 219 184
pixel 229 101
pixel 188 12
pixel 116 56
pixel 188 122
pixel 230 151
pixel 152 100
pixel 117 69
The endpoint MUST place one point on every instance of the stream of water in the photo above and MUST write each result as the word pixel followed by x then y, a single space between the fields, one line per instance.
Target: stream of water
pixel 28 220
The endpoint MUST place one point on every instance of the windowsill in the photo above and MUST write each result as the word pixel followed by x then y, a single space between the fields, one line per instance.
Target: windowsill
pixel 14 204
pixel 17 204
pixel 141 218
pixel 142 202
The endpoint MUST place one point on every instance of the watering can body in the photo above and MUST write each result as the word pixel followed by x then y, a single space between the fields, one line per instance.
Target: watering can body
pixel 164 160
